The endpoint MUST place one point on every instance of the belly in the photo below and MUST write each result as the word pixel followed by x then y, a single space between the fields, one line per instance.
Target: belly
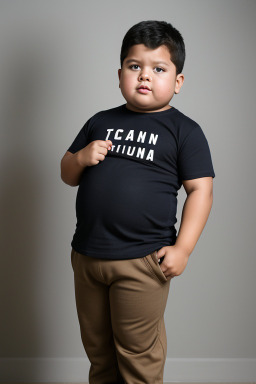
pixel 126 196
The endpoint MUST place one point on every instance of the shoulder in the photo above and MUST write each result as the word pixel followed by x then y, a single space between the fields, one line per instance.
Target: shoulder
pixel 104 113
pixel 184 121
pixel 109 111
pixel 187 127
pixel 189 132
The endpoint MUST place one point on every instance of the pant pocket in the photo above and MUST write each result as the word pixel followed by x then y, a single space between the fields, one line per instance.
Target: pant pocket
pixel 152 264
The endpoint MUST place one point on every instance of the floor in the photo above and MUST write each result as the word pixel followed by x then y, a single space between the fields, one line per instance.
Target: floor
pixel 164 383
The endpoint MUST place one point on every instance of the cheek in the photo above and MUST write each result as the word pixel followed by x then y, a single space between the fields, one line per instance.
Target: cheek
pixel 164 87
pixel 128 83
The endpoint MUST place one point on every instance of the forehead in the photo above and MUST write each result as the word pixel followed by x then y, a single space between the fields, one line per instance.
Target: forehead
pixel 143 53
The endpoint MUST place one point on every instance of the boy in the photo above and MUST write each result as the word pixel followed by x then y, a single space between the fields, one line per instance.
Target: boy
pixel 129 162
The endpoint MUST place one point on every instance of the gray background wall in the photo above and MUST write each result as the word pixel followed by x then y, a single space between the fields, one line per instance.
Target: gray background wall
pixel 58 66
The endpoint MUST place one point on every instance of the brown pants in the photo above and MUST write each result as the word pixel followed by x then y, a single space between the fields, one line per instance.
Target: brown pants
pixel 120 306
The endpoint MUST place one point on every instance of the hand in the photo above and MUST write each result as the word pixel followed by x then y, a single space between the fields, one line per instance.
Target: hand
pixel 174 262
pixel 94 152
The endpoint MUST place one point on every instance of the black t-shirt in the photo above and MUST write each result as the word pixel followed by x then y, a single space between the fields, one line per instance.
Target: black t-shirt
pixel 126 205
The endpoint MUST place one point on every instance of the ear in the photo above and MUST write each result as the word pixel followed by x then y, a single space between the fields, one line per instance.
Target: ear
pixel 179 83
pixel 119 75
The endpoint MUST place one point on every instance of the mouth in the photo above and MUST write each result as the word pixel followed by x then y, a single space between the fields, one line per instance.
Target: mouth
pixel 143 89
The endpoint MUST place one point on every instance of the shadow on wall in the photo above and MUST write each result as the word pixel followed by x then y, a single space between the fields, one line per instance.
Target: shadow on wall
pixel 23 72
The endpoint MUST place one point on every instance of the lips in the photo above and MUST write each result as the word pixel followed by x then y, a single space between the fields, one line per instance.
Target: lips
pixel 144 91
pixel 144 87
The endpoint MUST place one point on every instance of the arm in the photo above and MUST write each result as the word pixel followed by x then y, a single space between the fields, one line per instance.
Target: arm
pixel 195 213
pixel 71 168
pixel 72 165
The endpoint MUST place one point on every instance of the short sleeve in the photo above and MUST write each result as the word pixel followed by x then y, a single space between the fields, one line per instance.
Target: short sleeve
pixel 194 156
pixel 81 139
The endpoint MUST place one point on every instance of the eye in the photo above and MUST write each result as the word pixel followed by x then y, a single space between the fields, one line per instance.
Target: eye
pixel 136 65
pixel 161 69
pixel 133 65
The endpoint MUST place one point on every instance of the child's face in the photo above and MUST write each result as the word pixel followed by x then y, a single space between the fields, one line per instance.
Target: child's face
pixel 145 69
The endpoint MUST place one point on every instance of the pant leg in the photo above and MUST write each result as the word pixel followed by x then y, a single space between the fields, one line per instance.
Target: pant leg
pixel 93 309
pixel 138 295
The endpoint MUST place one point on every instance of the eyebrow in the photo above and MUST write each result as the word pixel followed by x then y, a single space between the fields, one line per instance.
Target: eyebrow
pixel 154 62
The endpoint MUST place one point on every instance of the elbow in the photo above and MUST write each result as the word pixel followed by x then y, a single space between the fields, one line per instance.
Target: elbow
pixel 71 184
pixel 68 182
pixel 63 176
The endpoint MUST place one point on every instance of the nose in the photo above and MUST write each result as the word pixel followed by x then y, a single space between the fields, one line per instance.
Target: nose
pixel 145 76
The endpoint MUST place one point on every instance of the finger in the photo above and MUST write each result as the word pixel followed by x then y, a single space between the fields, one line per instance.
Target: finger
pixel 105 143
pixel 104 146
pixel 109 143
pixel 160 259
pixel 100 157
pixel 103 151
